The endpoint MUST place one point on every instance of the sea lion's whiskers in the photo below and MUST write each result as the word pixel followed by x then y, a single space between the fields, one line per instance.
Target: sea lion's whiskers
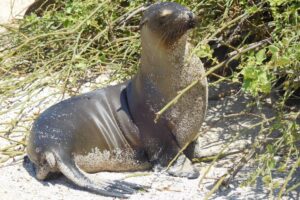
pixel 164 37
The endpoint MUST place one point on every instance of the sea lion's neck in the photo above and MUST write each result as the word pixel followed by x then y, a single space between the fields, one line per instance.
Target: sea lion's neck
pixel 162 59
pixel 161 64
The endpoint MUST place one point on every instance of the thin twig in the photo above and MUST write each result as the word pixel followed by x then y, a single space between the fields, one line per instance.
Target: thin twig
pixel 12 140
pixel 283 188
pixel 132 13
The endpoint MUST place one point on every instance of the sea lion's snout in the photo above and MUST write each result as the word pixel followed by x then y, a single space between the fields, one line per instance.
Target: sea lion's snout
pixel 192 21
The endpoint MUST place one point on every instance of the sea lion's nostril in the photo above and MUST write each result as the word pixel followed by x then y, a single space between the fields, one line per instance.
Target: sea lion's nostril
pixel 191 15
pixel 191 20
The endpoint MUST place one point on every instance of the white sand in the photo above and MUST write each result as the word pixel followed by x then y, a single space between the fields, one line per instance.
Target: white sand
pixel 17 178
pixel 12 9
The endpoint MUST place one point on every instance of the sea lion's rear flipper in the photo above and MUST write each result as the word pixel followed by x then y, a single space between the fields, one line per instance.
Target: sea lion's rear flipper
pixel 114 189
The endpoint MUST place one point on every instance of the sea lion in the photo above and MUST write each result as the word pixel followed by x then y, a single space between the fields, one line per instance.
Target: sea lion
pixel 113 129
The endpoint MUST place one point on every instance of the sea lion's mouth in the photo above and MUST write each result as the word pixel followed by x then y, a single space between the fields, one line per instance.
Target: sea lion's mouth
pixel 193 20
pixel 191 24
pixel 174 34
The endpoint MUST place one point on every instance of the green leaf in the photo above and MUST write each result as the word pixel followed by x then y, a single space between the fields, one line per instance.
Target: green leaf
pixel 270 148
pixel 68 10
pixel 281 61
pixel 260 56
pixel 271 163
pixel 282 168
pixel 204 51
pixel 273 49
pixel 256 79
pixel 80 66
pixel 277 2
pixel 266 179
pixel 276 184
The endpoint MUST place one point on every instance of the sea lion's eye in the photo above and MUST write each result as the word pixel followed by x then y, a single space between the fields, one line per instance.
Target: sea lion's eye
pixel 165 12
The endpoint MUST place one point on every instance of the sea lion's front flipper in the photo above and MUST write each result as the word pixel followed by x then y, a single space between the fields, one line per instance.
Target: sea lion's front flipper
pixel 192 151
pixel 183 167
pixel 114 189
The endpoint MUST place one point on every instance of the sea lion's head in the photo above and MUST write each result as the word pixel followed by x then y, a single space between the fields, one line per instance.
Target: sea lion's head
pixel 167 21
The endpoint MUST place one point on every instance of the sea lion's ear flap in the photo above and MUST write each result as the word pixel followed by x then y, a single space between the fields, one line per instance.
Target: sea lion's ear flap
pixel 143 21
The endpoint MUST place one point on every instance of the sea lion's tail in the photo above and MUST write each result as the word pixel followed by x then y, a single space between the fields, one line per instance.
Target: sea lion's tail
pixel 114 189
